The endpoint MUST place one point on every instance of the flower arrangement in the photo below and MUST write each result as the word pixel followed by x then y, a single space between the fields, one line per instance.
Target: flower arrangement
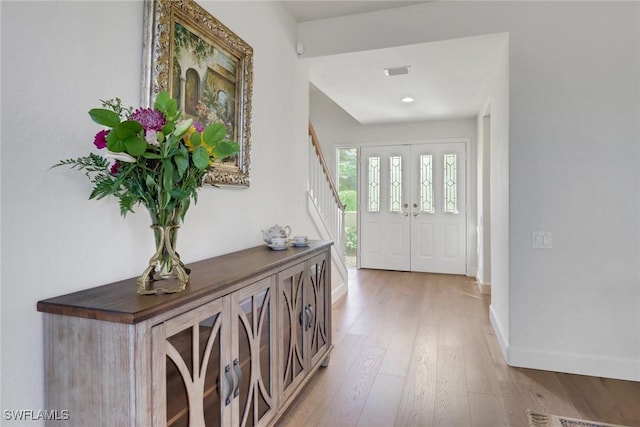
pixel 154 157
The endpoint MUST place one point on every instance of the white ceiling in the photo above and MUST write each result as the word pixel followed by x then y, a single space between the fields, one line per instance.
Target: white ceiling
pixel 312 10
pixel 448 79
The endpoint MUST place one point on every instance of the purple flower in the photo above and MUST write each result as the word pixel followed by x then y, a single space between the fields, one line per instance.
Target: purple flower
pixel 115 168
pixel 150 119
pixel 198 126
pixel 100 140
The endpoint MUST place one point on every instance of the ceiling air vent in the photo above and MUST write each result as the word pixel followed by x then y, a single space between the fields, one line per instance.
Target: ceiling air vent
pixel 396 71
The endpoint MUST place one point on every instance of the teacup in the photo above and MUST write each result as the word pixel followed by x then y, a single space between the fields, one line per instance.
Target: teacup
pixel 300 240
pixel 278 242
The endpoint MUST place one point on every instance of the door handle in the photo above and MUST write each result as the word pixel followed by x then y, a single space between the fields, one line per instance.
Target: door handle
pixel 415 212
pixel 230 384
pixel 238 370
pixel 307 313
pixel 404 209
pixel 311 317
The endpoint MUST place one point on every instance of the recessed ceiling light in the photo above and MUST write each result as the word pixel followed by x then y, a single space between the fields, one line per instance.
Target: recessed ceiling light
pixel 407 99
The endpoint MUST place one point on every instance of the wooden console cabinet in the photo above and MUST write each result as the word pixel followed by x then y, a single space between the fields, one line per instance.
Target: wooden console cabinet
pixel 233 349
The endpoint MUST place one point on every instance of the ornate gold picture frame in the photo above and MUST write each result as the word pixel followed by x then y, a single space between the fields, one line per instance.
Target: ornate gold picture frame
pixel 208 69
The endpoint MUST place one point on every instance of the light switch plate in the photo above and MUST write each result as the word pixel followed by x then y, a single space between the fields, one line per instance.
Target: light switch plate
pixel 541 240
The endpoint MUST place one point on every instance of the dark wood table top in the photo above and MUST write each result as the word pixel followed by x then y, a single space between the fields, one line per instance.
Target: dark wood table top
pixel 120 302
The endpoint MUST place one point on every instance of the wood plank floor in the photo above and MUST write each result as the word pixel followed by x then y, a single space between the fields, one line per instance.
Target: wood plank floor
pixel 417 349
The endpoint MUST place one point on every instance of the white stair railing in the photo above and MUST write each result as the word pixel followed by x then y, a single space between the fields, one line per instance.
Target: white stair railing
pixel 326 209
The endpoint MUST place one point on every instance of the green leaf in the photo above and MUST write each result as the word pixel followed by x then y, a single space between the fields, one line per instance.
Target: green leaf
pixel 168 128
pixel 200 158
pixel 135 145
pixel 150 155
pixel 150 181
pixel 167 176
pixel 196 138
pixel 125 136
pixel 180 194
pixel 214 133
pixel 104 117
pixel 184 206
pixel 172 109
pixel 225 149
pixel 166 105
pixel 129 127
pixel 115 143
pixel 170 144
pixel 161 101
pixel 183 127
pixel 182 163
pixel 126 204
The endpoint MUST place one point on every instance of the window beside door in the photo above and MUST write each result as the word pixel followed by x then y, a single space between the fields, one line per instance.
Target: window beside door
pixel 348 192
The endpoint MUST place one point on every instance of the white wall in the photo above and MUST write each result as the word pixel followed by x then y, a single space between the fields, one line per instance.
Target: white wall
pixel 484 205
pixel 58 59
pixel 570 148
pixel 337 128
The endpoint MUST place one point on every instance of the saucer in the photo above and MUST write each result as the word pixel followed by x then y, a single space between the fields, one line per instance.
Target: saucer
pixel 278 248
pixel 300 245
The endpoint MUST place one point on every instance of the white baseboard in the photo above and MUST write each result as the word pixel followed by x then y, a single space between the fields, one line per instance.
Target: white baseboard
pixel 503 339
pixel 575 363
pixel 338 292
pixel 572 363
pixel 484 288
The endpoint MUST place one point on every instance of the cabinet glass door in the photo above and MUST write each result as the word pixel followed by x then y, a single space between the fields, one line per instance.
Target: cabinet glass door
pixel 318 306
pixel 193 366
pixel 292 367
pixel 253 340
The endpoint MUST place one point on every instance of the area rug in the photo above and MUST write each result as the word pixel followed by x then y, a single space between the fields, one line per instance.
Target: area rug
pixel 542 420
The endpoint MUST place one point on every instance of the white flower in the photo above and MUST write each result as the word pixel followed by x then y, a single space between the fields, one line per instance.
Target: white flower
pixel 122 157
pixel 152 137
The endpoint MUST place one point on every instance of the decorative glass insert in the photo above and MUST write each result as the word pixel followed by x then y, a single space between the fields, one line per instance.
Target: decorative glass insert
pixel 450 183
pixel 395 183
pixel 373 203
pixel 426 183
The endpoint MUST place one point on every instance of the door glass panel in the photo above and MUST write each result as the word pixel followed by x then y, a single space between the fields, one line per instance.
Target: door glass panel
pixel 373 203
pixel 243 362
pixel 292 343
pixel 450 183
pixel 192 353
pixel 426 183
pixel 395 183
pixel 318 324
pixel 254 345
pixel 177 400
pixel 264 390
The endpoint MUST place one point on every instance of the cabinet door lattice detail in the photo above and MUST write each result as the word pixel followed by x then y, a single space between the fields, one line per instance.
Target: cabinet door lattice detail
pixel 292 282
pixel 318 306
pixel 193 365
pixel 254 352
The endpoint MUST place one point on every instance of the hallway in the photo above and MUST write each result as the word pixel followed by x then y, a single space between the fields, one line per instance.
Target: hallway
pixel 417 349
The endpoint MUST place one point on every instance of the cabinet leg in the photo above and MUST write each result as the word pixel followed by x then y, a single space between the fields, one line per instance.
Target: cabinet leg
pixel 326 361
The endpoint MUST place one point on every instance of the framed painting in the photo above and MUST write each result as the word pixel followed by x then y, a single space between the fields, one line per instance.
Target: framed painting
pixel 208 70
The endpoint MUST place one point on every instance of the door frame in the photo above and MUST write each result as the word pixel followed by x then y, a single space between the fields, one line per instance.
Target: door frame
pixel 470 195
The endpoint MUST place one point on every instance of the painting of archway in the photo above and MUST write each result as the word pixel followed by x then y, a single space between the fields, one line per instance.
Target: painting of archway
pixel 210 75
pixel 177 74
pixel 192 92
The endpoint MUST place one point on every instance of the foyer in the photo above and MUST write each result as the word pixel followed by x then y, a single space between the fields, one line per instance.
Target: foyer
pixel 417 349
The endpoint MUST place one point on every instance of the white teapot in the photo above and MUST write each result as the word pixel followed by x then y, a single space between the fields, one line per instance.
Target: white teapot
pixel 276 231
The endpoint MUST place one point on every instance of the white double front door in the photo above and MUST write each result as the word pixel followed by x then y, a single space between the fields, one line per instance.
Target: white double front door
pixel 412 205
